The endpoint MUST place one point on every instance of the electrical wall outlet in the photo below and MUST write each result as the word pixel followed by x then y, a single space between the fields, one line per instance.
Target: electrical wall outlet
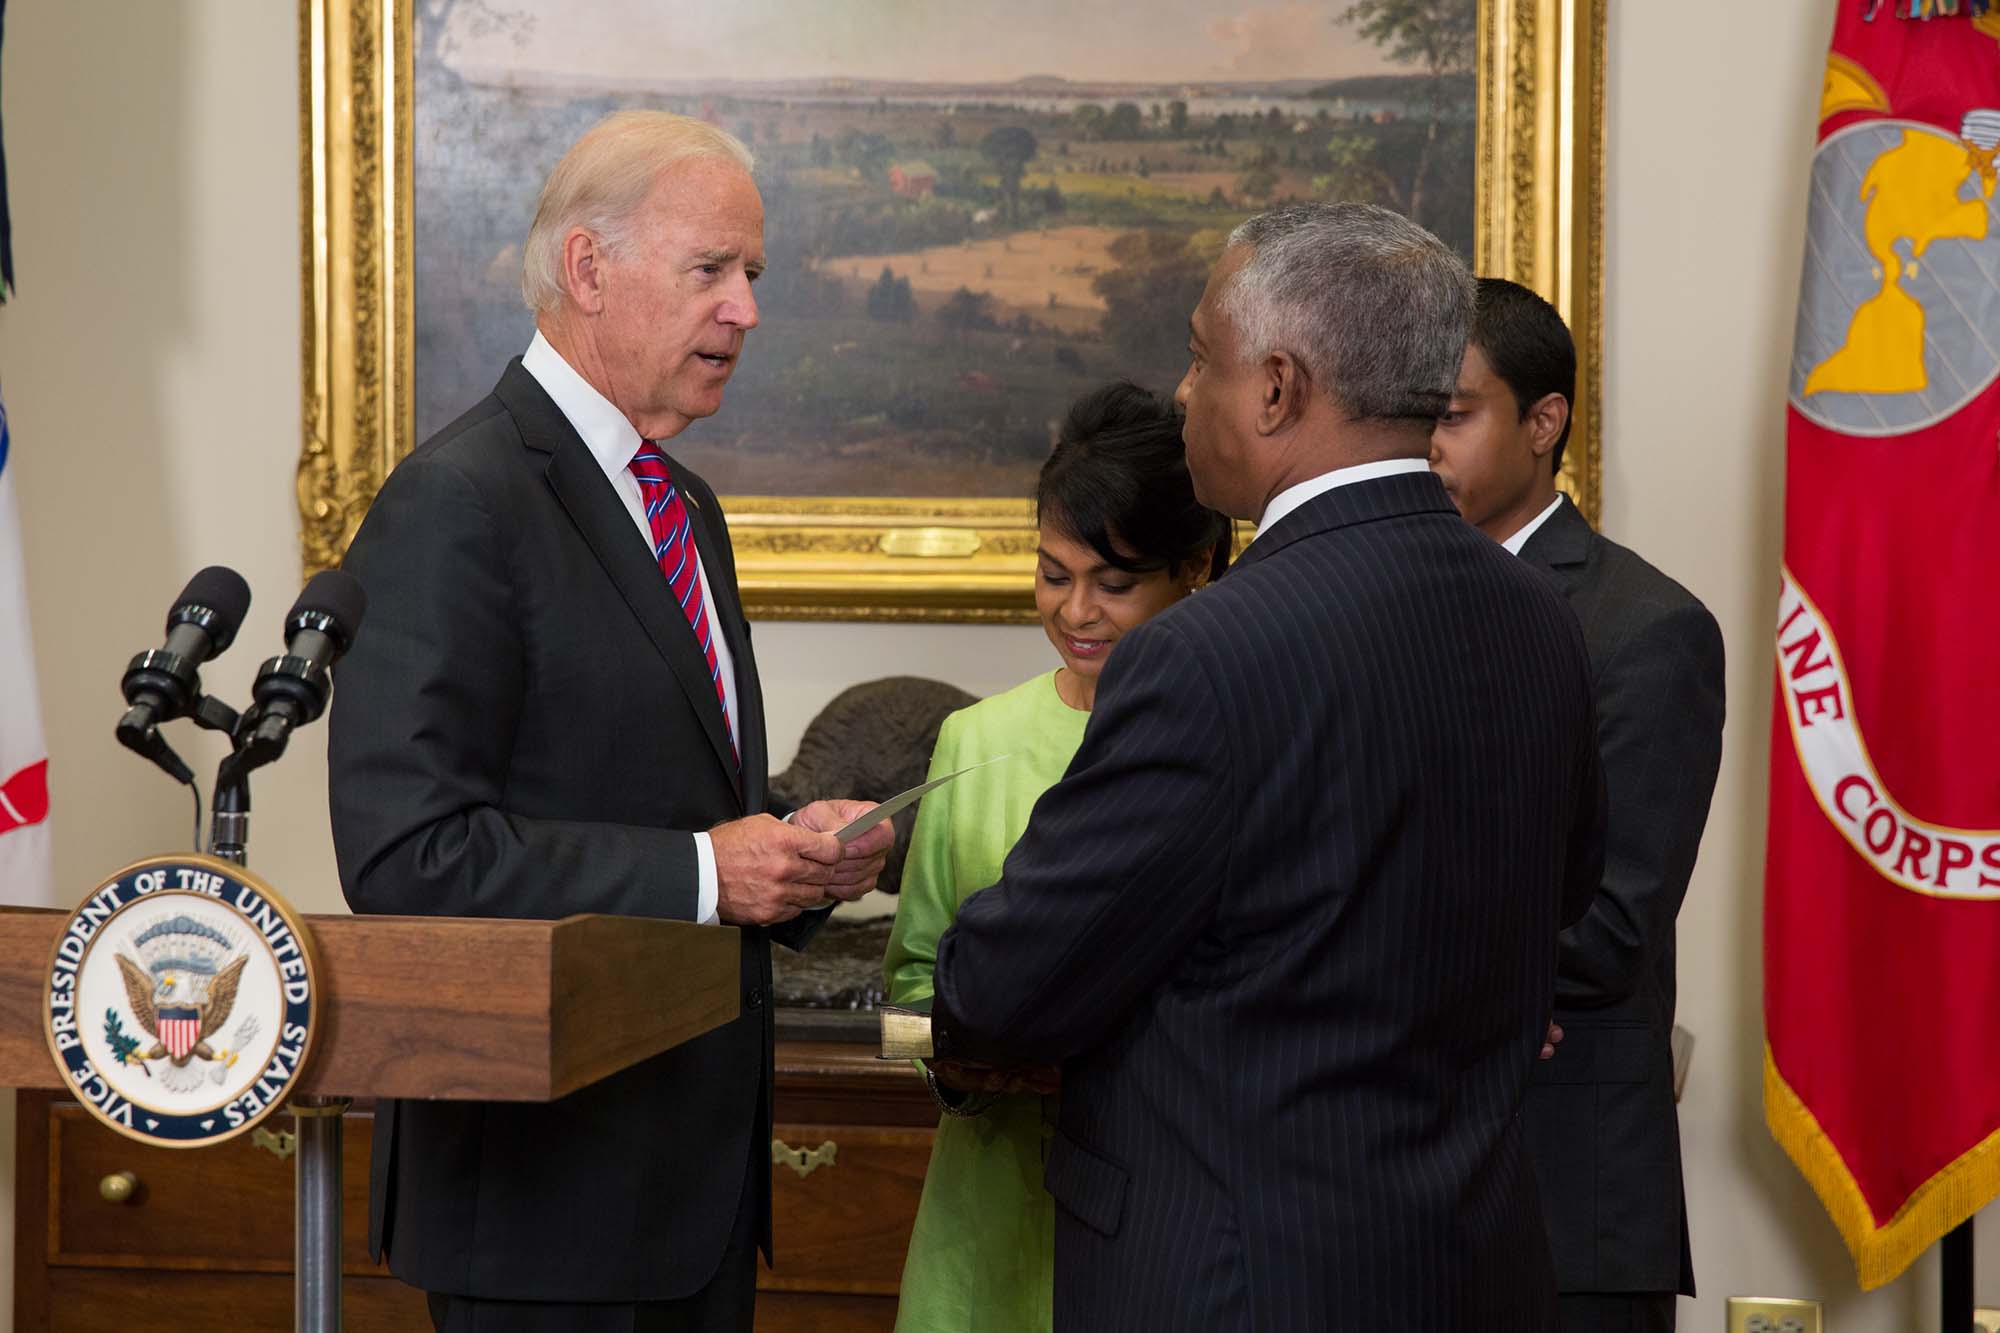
pixel 1772 1314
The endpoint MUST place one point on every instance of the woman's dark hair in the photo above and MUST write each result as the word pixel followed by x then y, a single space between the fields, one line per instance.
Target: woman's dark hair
pixel 1119 474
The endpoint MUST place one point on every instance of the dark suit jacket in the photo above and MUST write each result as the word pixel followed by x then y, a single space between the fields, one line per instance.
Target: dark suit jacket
pixel 1289 925
pixel 526 727
pixel 1601 1125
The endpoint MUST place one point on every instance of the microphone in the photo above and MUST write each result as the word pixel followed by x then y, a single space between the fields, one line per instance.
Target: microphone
pixel 292 690
pixel 165 683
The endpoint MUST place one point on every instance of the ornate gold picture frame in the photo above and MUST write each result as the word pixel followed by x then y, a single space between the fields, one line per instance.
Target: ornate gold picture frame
pixel 1538 219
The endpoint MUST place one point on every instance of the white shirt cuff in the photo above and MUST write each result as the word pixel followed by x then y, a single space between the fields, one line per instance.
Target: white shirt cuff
pixel 705 891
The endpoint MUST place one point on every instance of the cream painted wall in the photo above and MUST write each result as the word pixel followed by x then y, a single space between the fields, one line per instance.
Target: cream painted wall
pixel 150 367
pixel 151 375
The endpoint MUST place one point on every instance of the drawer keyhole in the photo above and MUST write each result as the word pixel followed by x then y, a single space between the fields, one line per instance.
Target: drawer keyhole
pixel 279 1145
pixel 805 1161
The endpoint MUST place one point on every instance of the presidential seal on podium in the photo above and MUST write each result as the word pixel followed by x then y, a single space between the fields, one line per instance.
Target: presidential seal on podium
pixel 181 1001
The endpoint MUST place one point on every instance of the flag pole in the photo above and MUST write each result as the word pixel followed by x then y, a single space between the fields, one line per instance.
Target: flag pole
pixel 1955 1285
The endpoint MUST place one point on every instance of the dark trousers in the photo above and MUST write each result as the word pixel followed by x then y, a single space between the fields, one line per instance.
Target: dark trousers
pixel 726 1305
pixel 1615 1312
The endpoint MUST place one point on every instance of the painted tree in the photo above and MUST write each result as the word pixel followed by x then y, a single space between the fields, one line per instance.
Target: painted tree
pixel 966 311
pixel 1010 149
pixel 1257 184
pixel 890 298
pixel 1159 278
pixel 1441 37
pixel 869 154
pixel 1345 168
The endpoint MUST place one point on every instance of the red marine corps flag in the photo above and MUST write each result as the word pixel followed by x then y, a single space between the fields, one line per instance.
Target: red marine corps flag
pixel 1882 891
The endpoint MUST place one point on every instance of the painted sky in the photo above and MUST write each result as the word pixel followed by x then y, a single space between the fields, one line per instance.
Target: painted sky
pixel 1109 40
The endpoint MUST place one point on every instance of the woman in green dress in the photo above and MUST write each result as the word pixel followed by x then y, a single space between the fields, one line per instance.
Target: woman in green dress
pixel 1122 538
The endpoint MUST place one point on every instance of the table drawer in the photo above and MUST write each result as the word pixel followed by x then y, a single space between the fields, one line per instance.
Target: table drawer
pixel 226 1207
pixel 844 1223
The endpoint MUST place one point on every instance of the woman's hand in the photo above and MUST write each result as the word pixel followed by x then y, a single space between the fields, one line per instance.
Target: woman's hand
pixel 978 1076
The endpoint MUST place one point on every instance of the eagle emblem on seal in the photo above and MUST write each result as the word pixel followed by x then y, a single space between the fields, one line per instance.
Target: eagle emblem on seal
pixel 181 989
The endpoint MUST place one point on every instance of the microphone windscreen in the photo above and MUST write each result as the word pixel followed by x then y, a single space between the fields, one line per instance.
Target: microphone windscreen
pixel 336 595
pixel 223 591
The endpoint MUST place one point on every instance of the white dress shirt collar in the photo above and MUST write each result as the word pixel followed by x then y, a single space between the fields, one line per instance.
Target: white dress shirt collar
pixel 1520 539
pixel 1285 501
pixel 610 437
pixel 612 440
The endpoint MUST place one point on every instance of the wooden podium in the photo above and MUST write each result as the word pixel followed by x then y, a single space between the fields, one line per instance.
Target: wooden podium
pixel 409 1008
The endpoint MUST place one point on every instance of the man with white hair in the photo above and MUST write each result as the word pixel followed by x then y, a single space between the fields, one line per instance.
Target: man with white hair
pixel 555 710
pixel 1289 922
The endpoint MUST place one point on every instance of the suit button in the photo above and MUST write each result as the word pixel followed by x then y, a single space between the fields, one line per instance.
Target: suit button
pixel 756 998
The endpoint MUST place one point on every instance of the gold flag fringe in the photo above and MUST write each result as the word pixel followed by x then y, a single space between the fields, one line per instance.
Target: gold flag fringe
pixel 1881 1253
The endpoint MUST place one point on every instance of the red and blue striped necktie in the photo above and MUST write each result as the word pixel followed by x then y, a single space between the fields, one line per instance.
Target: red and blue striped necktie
pixel 673 547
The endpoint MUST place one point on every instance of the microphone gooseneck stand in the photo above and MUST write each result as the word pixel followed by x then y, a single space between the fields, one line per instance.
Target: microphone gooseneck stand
pixel 257 739
pixel 291 690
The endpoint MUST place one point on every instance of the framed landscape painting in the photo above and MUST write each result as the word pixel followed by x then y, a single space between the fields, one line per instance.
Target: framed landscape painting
pixel 974 214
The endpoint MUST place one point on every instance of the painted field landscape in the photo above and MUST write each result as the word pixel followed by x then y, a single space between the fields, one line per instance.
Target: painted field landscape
pixel 974 213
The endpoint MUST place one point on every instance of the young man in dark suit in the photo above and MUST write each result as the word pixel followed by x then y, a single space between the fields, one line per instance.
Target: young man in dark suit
pixel 1288 923
pixel 1602 1130
pixel 555 710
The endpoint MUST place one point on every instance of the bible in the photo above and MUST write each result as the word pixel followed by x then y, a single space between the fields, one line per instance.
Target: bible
pixel 906 1030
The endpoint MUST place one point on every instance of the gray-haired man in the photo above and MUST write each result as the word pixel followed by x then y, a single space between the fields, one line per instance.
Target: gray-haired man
pixel 556 710
pixel 1289 922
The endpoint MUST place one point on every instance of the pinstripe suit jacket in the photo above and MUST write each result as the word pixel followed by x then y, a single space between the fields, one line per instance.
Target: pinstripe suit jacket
pixel 1289 925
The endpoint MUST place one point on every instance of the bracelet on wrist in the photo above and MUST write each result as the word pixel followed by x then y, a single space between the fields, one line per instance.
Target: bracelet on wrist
pixel 964 1105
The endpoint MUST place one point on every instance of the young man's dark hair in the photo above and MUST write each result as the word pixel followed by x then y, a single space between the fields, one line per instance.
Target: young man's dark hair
pixel 1528 346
